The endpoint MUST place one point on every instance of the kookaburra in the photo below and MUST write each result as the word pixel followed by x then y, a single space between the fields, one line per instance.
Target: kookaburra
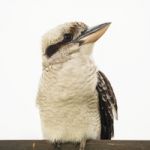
pixel 76 101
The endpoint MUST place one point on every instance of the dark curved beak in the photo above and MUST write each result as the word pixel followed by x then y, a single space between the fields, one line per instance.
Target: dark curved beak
pixel 91 35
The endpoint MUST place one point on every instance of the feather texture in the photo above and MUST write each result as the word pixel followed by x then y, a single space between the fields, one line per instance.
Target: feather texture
pixel 107 106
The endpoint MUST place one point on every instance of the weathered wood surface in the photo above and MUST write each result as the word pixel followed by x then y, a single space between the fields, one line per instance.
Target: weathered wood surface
pixel 91 145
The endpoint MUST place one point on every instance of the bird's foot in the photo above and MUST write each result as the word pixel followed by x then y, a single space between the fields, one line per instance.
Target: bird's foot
pixel 82 144
pixel 76 145
pixel 57 145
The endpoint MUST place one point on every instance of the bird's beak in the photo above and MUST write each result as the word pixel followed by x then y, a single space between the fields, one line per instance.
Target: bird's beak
pixel 91 35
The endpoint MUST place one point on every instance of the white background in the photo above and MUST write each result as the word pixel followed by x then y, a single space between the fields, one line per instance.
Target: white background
pixel 123 54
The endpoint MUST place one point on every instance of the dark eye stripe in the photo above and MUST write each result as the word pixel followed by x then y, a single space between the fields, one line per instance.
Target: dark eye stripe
pixel 52 49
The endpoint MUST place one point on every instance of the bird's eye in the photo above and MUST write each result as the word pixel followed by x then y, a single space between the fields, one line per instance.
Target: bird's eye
pixel 68 37
pixel 82 32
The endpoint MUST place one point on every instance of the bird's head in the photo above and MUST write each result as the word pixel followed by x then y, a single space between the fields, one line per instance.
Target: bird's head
pixel 70 40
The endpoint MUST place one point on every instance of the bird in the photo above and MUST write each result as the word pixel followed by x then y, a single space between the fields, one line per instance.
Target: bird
pixel 76 101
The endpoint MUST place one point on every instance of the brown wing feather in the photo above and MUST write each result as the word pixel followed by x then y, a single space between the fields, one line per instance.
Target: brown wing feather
pixel 107 106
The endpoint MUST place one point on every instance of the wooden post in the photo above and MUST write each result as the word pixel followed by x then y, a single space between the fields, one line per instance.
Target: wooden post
pixel 91 145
